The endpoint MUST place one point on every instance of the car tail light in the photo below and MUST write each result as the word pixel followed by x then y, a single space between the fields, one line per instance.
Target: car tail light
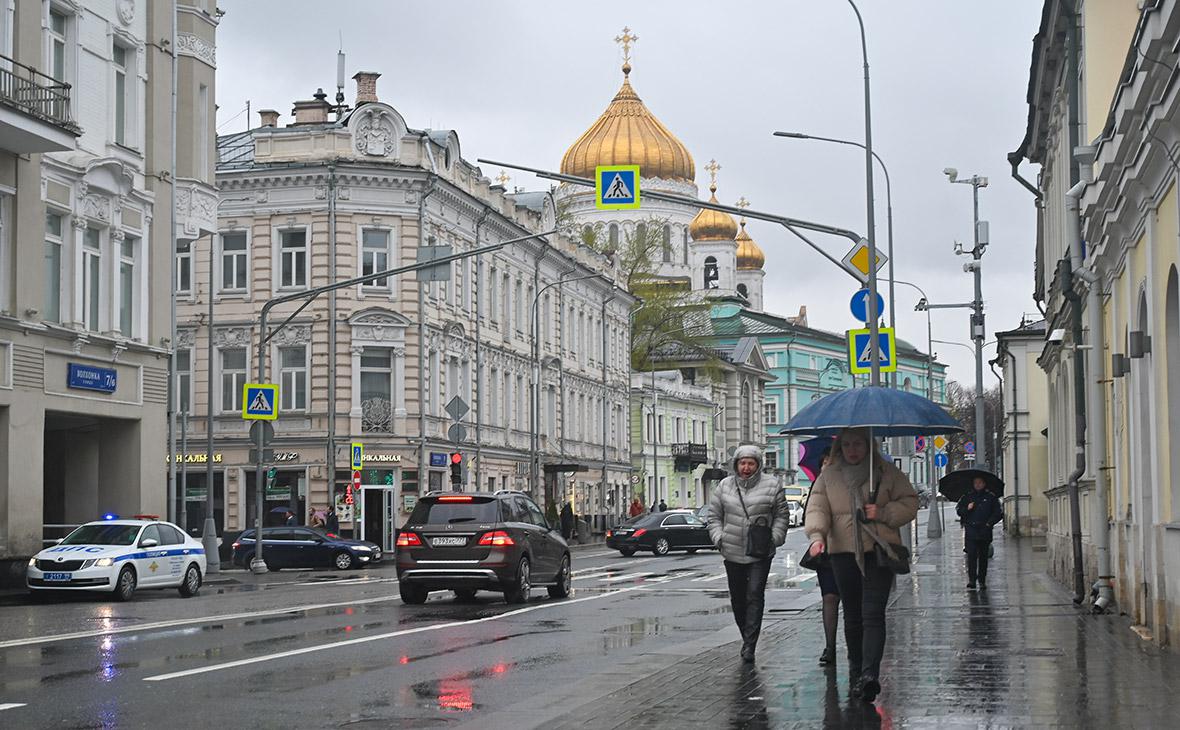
pixel 609 533
pixel 498 538
pixel 639 532
pixel 409 539
pixel 455 498
pixel 237 545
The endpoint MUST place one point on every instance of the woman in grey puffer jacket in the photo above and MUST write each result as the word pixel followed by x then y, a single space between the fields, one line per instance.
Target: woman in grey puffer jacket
pixel 736 503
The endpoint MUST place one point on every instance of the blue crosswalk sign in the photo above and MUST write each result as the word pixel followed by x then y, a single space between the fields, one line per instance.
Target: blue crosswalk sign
pixel 940 460
pixel 616 187
pixel 260 402
pixel 860 354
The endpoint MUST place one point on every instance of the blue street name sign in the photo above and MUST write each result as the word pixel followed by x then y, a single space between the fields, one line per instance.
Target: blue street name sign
pixel 437 459
pixel 860 305
pixel 940 460
pixel 616 187
pixel 89 377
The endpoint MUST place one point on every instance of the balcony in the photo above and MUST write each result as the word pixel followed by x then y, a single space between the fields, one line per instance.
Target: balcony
pixel 34 111
pixel 688 456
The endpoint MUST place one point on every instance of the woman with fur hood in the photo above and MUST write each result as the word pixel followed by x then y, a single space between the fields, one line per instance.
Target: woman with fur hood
pixel 747 498
pixel 846 516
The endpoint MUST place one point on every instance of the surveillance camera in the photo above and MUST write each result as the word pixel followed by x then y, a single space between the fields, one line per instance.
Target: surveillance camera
pixel 1057 335
pixel 970 267
pixel 950 172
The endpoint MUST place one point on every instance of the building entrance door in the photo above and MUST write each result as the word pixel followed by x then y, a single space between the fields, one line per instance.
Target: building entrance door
pixel 379 516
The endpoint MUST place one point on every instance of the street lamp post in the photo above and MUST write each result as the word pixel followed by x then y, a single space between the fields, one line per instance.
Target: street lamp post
pixel 934 523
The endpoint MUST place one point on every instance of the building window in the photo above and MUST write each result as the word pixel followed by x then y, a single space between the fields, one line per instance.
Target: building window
pixel 128 249
pixel 771 459
pixel 233 379
pixel 747 415
pixel 53 243
pixel 119 59
pixel 494 396
pixel 667 244
pixel 491 289
pixel 684 250
pixel 91 278
pixel 712 274
pixel 505 302
pixel 184 268
pixel 58 32
pixel 376 389
pixel 203 140
pixel 234 261
pixel 375 258
pixel 770 413
pixel 651 427
pixel 743 291
pixel 184 380
pixel 293 259
pixel 613 236
pixel 518 303
pixel 293 378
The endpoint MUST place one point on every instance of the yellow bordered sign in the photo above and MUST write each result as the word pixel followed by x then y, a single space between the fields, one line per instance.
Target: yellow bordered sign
pixel 859 352
pixel 616 187
pixel 260 402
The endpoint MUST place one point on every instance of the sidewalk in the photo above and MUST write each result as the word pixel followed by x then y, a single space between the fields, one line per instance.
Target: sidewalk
pixel 1017 655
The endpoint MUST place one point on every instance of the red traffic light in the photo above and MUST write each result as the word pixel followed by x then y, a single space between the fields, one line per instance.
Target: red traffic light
pixel 456 457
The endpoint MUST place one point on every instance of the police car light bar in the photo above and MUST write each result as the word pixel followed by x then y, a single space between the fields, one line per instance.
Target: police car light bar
pixel 110 516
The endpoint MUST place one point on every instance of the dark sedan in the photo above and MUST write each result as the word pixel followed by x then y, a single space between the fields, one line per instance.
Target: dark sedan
pixel 661 533
pixel 304 547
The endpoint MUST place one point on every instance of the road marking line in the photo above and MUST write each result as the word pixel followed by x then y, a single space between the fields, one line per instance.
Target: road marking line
pixel 592 576
pixel 11 705
pixel 708 578
pixel 625 576
pixel 379 637
pixel 187 622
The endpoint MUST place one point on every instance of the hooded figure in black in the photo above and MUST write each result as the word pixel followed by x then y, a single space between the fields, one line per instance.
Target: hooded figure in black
pixel 979 511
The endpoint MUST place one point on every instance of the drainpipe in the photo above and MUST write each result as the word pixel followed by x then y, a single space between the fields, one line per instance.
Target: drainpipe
pixel 431 183
pixel 330 460
pixel 1015 444
pixel 1068 267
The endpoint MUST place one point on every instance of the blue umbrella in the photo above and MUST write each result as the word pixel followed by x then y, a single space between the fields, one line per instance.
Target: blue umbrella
pixel 811 455
pixel 886 411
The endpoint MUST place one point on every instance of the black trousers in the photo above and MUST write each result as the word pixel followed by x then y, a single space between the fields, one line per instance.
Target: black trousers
pixel 977 560
pixel 747 596
pixel 864 599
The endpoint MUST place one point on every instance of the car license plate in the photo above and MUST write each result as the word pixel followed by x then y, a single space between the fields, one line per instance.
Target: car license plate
pixel 448 541
pixel 59 576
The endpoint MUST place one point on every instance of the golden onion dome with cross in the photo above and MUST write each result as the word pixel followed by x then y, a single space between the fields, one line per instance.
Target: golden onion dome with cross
pixel 628 134
pixel 749 255
pixel 709 224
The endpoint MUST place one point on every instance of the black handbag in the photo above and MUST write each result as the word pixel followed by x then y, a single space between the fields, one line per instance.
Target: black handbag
pixel 759 538
pixel 894 558
pixel 814 562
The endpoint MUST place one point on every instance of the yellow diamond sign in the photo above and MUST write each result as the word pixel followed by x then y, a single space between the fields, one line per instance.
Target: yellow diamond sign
pixel 940 443
pixel 857 260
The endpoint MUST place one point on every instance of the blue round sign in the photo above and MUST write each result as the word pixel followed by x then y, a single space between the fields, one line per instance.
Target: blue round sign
pixel 940 460
pixel 859 304
pixel 969 447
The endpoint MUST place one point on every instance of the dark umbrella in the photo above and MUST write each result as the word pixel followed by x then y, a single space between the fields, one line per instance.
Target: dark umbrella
pixel 811 455
pixel 957 483
pixel 280 509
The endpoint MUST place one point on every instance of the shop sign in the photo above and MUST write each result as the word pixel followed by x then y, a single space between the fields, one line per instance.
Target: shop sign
pixel 282 491
pixel 409 501
pixel 286 456
pixel 383 458
pixel 200 458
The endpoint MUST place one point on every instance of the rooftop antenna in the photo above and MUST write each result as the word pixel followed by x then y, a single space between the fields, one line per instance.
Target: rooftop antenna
pixel 340 79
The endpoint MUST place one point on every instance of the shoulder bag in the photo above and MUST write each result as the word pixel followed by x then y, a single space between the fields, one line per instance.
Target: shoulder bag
pixel 759 539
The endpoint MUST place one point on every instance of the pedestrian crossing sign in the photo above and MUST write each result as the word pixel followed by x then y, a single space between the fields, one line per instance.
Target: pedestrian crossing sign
pixel 260 402
pixel 616 187
pixel 860 356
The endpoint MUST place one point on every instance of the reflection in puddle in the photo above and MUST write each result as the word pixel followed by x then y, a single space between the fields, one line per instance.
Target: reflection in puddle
pixel 454 693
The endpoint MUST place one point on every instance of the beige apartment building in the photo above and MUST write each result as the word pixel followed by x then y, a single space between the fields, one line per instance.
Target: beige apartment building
pixel 86 137
pixel 340 193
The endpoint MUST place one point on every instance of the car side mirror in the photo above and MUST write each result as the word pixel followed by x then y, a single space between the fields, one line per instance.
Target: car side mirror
pixel 148 542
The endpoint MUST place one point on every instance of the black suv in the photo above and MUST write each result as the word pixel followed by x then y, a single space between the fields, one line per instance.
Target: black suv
pixel 480 541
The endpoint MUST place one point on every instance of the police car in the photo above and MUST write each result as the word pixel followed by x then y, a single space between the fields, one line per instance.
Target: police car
pixel 119 556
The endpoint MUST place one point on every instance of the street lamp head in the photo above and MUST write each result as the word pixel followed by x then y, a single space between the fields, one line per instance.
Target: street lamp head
pixel 792 135
pixel 951 173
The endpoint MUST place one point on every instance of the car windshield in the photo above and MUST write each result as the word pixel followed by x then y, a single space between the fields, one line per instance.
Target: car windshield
pixel 102 535
pixel 449 512
pixel 793 491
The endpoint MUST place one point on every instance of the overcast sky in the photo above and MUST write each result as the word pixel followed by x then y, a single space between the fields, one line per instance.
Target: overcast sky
pixel 521 80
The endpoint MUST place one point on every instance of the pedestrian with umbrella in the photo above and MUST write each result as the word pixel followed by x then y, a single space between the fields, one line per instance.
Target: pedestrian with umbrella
pixel 859 505
pixel 979 511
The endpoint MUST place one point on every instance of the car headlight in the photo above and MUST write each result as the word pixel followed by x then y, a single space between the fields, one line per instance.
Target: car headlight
pixel 32 562
pixel 362 548
pixel 104 562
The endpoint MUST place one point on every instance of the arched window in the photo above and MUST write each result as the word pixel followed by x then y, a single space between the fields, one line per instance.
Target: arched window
pixel 667 244
pixel 685 250
pixel 712 276
pixel 743 291
pixel 907 385
pixel 614 236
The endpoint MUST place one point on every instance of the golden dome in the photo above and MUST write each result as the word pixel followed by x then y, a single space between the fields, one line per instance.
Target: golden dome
pixel 628 134
pixel 712 225
pixel 749 256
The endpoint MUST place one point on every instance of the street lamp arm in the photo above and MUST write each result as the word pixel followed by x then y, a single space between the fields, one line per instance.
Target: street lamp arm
pixel 967 305
pixel 849 142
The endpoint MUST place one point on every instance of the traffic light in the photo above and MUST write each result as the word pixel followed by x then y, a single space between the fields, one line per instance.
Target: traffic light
pixel 456 469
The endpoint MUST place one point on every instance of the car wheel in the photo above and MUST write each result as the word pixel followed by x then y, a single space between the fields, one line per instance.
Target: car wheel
pixel 564 580
pixel 465 594
pixel 411 593
pixel 662 546
pixel 627 552
pixel 191 584
pixel 519 592
pixel 342 560
pixel 125 584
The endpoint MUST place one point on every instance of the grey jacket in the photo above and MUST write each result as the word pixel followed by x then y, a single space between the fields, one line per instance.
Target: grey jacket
pixel 763 497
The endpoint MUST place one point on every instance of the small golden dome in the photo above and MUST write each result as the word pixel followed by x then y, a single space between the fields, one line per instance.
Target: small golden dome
pixel 628 134
pixel 749 255
pixel 712 225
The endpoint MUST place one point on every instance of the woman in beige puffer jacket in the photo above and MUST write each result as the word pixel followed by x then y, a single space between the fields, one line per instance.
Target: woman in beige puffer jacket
pixel 832 524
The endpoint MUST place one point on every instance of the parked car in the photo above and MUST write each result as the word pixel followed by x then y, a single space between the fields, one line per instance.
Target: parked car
pixel 660 533
pixel 120 556
pixel 795 517
pixel 465 543
pixel 304 547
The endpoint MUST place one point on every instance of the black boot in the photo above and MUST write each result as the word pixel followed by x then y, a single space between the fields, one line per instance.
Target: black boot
pixel 828 658
pixel 750 632
pixel 870 687
pixel 854 679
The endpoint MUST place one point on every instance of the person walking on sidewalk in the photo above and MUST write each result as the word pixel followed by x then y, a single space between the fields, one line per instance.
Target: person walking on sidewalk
pixel 748 519
pixel 847 516
pixel 636 507
pixel 567 520
pixel 979 511
pixel 828 591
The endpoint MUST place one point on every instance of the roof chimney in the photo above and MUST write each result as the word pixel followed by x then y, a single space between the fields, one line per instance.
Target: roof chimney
pixel 366 86
pixel 314 111
pixel 269 117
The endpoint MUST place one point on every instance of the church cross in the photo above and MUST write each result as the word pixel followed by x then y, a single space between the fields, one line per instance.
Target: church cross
pixel 743 204
pixel 712 168
pixel 503 179
pixel 625 41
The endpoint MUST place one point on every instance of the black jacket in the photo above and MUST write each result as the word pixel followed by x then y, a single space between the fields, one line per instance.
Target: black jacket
pixel 980 520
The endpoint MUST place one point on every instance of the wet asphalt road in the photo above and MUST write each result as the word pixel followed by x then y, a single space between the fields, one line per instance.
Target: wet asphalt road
pixel 328 650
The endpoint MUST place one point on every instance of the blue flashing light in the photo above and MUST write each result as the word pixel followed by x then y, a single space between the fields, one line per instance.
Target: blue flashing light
pixel 110 516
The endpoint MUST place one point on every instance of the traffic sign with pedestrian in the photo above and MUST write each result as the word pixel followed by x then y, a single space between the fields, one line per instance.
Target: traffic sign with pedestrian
pixel 260 402
pixel 856 261
pixel 860 353
pixel 358 456
pixel 860 305
pixel 616 187
pixel 940 460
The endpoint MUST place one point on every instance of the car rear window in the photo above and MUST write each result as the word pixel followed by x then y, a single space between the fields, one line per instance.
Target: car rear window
pixel 444 511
